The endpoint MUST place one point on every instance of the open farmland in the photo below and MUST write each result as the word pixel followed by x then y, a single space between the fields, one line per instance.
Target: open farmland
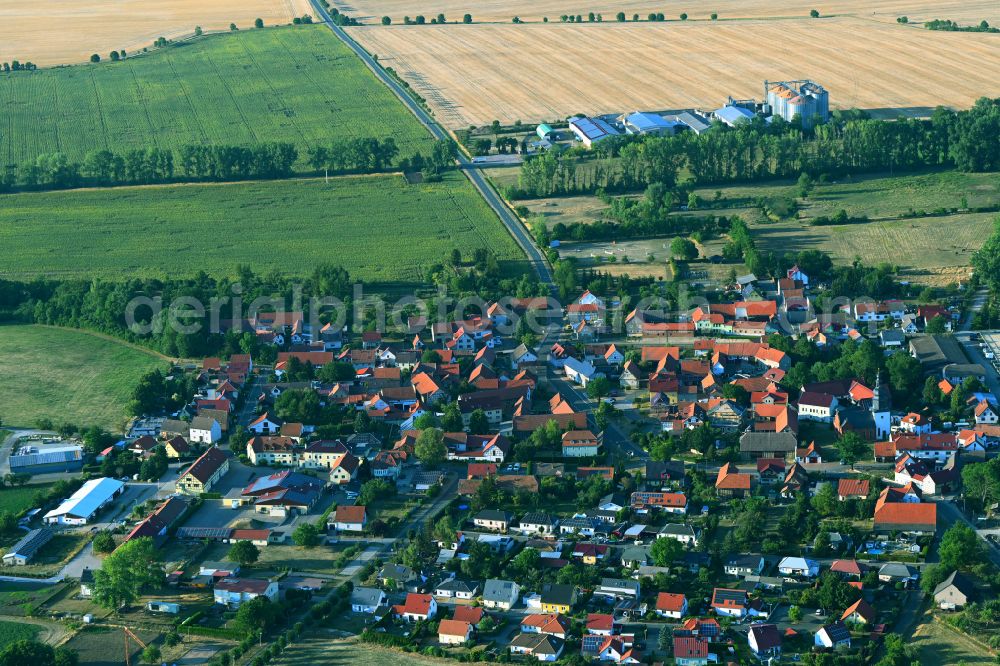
pixel 937 643
pixel 963 11
pixel 474 74
pixel 53 32
pixel 67 376
pixel 17 499
pixel 379 228
pixel 299 85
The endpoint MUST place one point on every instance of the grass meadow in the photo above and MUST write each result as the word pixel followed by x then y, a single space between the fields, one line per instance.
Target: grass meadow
pixel 15 500
pixel 294 84
pixel 66 376
pixel 379 228
pixel 11 632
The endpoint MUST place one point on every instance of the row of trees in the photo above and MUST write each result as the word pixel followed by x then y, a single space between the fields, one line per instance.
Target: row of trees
pixel 756 151
pixel 152 165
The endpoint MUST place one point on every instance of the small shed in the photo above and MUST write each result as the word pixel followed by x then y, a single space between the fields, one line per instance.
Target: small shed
pixel 544 131
pixel 163 607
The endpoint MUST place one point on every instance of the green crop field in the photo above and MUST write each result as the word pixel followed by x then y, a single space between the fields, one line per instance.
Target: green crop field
pixel 66 376
pixel 11 632
pixel 295 84
pixel 17 499
pixel 379 228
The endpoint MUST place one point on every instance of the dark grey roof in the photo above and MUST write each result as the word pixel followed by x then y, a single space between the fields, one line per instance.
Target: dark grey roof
pixel 896 570
pixel 743 561
pixel 558 594
pixel 31 542
pixel 456 585
pixel 960 582
pixel 366 596
pixel 498 590
pixel 837 632
pixel 678 529
pixel 770 442
pixel 493 514
pixel 538 518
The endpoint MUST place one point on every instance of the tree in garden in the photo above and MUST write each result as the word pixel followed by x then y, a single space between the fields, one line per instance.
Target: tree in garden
pixel 126 573
pixel 851 448
pixel 598 387
pixel 151 654
pixel 306 535
pixel 478 423
pixel 256 615
pixel 451 418
pixel 665 551
pixel 430 448
pixel 960 547
pixel 244 552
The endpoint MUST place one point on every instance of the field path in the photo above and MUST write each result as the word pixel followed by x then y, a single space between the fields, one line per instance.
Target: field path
pixel 124 343
pixel 513 224
pixel 53 633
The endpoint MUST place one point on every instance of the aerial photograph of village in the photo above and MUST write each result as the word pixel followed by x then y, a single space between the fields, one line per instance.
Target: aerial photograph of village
pixel 421 332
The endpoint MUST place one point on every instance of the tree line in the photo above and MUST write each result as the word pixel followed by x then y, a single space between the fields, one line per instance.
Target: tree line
pixel 850 143
pixel 151 165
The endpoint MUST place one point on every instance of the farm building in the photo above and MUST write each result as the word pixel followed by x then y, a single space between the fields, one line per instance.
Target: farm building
pixel 693 122
pixel 804 99
pixel 32 460
pixel 84 504
pixel 544 131
pixel 648 123
pixel 591 130
pixel 26 548
pixel 733 115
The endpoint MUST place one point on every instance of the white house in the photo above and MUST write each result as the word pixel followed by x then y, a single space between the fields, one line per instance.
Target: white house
pixel 205 430
pixel 350 519
pixel 454 632
pixel 671 605
pixel 833 635
pixel 232 592
pixel 265 425
pixel 798 566
pixel 679 532
pixel 580 372
pixel 501 594
pixel 817 407
pixel 367 599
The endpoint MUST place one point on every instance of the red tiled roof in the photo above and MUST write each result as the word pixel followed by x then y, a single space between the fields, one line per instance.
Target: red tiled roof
pixel 670 602
pixel 853 487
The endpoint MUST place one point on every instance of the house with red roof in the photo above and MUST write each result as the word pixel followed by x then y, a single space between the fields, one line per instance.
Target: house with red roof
pixel 454 632
pixel 860 612
pixel 852 489
pixel 551 624
pixel 690 651
pixel 417 607
pixel 671 605
pixel 602 624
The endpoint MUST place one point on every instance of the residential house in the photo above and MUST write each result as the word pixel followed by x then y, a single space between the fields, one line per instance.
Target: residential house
pixel 204 472
pixel 272 450
pixel 860 612
pixel 265 424
pixel 552 624
pixel 619 588
pixel 729 602
pixel 205 430
pixel 580 444
pixel 601 624
pixel 367 599
pixel 954 592
pixel 690 651
pixel 817 407
pixel 454 588
pixel 744 565
pixel 397 576
pixel 558 598
pixel 798 567
pixel 675 503
pixel 833 636
pixel 344 469
pixel 731 483
pixel 502 594
pixel 682 532
pixel 897 572
pixel 852 489
pixel 671 605
pixel 537 523
pixel 540 646
pixel 350 519
pixel 454 632
pixel 417 607
pixel 764 641
pixel 231 592
pixel 494 520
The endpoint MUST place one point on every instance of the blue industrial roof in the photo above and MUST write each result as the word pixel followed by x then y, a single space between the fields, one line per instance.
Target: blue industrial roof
pixel 51 456
pixel 648 122
pixel 732 115
pixel 89 498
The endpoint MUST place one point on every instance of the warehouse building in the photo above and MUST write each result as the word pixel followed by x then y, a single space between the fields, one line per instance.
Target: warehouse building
pixel 81 507
pixel 804 99
pixel 26 548
pixel 32 460
pixel 641 122
pixel 591 130
pixel 733 115
pixel 695 123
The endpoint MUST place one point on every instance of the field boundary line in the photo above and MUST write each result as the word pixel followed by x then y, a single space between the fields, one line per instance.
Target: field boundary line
pixel 109 338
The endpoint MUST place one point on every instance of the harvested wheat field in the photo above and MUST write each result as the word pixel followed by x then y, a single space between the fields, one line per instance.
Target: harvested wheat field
pixel 963 11
pixel 471 75
pixel 55 32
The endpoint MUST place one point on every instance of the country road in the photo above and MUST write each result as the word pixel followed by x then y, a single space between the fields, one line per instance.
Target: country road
pixel 517 230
